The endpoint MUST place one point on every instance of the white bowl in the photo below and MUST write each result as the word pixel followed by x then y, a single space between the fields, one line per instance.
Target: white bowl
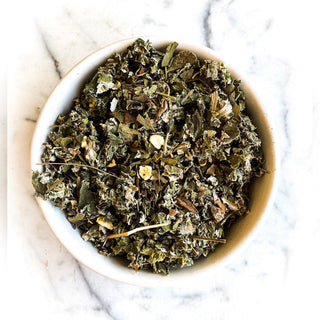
pixel 263 189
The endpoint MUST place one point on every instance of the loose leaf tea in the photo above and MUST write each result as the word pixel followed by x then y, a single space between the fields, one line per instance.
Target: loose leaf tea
pixel 154 159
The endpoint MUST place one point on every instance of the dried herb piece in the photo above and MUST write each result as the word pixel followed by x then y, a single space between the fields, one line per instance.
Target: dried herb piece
pixel 145 122
pixel 154 160
pixel 127 234
pixel 181 59
pixel 218 240
pixel 169 53
pixel 183 202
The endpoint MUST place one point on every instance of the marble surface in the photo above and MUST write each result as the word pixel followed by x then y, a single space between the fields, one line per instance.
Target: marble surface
pixel 271 43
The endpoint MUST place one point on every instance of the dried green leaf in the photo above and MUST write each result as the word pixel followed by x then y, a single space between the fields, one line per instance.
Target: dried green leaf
pixel 86 196
pixel 181 59
pixel 169 53
pixel 145 122
pixel 78 217
pixel 63 142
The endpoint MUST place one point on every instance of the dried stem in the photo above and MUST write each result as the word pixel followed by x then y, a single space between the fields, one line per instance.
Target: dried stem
pixel 76 165
pixel 54 185
pixel 137 230
pixel 165 95
pixel 210 239
pixel 213 101
pixel 187 96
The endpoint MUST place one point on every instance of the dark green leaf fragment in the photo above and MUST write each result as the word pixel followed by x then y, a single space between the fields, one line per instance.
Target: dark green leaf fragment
pixel 145 122
pixel 181 59
pixel 169 53
pixel 63 142
pixel 38 185
pixel 86 196
pixel 126 130
pixel 78 217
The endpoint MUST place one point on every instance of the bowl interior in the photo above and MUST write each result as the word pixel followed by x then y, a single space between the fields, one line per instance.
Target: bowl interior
pixel 262 189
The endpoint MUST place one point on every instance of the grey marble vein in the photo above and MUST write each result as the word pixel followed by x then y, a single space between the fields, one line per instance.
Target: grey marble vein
pixel 167 4
pixel 285 113
pixel 44 265
pixel 50 53
pixel 286 254
pixel 264 29
pixel 208 34
pixel 101 305
pixel 30 120
pixel 81 28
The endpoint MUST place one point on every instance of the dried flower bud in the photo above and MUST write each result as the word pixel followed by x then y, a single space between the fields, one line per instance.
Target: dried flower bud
pixel 112 164
pixel 105 222
pixel 157 141
pixel 84 142
pixel 145 172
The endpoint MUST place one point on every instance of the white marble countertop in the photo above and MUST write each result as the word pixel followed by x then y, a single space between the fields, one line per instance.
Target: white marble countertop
pixel 271 43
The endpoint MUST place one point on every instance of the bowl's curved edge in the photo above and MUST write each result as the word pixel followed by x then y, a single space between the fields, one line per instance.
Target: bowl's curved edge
pixel 146 279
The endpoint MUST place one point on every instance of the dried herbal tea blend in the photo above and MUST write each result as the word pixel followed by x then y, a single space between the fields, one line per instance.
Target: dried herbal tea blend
pixel 154 159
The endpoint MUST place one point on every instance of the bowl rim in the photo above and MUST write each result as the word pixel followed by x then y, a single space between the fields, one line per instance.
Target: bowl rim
pixel 193 277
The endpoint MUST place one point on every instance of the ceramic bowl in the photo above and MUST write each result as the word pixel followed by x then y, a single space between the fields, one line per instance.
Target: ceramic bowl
pixel 262 190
